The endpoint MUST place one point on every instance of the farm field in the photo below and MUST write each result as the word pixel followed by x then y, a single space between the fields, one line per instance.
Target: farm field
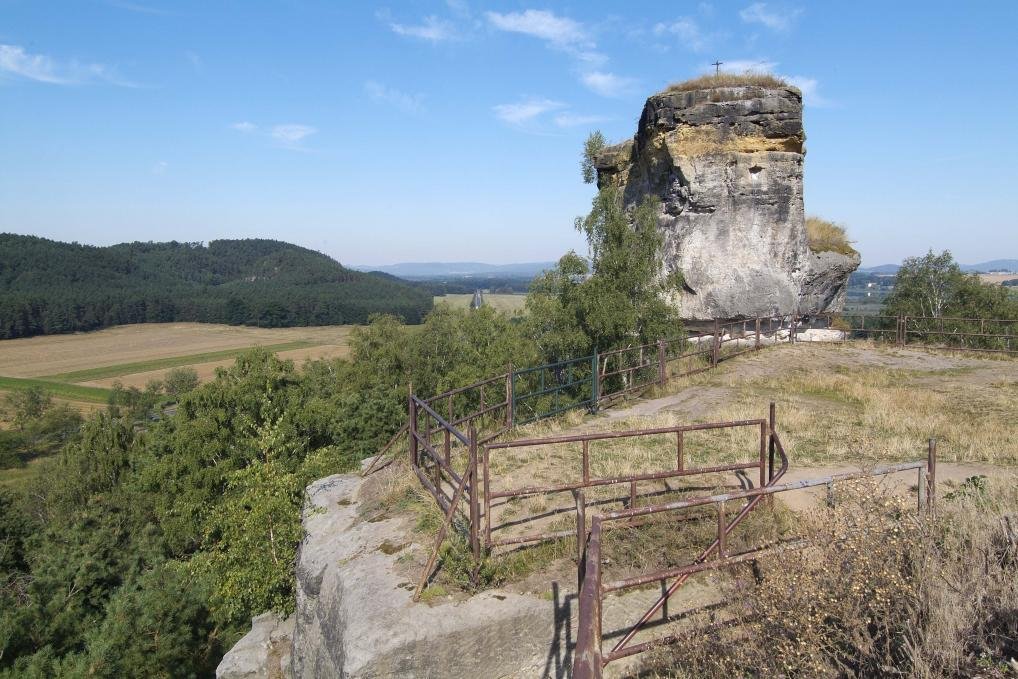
pixel 80 368
pixel 508 303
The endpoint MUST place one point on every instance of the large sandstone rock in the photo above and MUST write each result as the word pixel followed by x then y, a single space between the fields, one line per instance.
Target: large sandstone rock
pixel 727 164
pixel 355 616
pixel 263 653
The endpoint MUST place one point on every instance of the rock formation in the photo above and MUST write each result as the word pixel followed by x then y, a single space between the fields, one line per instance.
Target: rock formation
pixel 727 164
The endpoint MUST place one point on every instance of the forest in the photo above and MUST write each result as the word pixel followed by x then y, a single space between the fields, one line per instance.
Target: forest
pixel 48 287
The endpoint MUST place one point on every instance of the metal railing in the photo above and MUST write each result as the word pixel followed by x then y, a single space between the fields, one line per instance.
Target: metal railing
pixel 590 657
pixel 764 454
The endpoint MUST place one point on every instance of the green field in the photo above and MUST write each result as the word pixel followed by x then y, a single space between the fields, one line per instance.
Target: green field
pixel 71 392
pixel 510 304
pixel 162 363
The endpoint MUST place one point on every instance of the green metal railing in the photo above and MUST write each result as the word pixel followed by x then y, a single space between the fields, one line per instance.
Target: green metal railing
pixel 546 390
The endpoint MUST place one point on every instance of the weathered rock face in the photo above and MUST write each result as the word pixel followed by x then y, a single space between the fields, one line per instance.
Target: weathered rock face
pixel 355 616
pixel 726 164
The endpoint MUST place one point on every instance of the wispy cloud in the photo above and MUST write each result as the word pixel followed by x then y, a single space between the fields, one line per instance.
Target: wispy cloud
pixel 689 33
pixel 526 111
pixel 566 35
pixel 195 60
pixel 776 20
pixel 285 135
pixel 542 24
pixel 557 32
pixel 15 61
pixel 159 167
pixel 576 120
pixel 809 86
pixel 433 29
pixel 292 133
pixel 411 103
pixel 608 84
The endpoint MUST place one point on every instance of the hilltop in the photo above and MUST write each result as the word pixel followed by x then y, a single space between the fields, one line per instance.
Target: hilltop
pixel 49 287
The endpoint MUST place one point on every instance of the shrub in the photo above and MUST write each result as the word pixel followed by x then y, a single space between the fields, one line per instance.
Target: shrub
pixel 825 236
pixel 875 594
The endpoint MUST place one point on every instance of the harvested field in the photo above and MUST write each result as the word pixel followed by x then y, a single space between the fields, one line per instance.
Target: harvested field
pixel 81 368
pixel 508 303
pixel 59 354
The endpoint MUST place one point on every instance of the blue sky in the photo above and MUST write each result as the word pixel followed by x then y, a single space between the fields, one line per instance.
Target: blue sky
pixel 424 131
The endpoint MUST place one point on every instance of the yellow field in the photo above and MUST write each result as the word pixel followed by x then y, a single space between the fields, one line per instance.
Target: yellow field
pixel 508 303
pixel 53 354
pixel 136 354
pixel 997 278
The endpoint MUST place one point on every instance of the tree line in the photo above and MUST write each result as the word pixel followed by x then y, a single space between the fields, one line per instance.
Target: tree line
pixel 49 287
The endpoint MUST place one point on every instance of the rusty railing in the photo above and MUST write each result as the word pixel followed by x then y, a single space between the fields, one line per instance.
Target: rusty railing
pixel 764 453
pixel 590 658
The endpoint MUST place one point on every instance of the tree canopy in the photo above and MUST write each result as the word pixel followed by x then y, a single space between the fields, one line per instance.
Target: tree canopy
pixel 50 287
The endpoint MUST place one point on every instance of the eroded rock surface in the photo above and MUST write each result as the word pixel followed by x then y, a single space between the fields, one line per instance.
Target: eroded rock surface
pixel 263 653
pixel 355 616
pixel 727 166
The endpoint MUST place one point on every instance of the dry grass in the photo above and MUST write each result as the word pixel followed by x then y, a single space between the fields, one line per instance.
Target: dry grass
pixel 746 79
pixel 877 593
pixel 53 354
pixel 826 236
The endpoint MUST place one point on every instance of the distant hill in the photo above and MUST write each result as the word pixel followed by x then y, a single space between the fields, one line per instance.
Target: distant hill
pixel 429 270
pixel 982 267
pixel 51 287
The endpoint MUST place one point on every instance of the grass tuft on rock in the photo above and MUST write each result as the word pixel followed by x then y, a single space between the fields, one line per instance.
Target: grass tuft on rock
pixel 747 79
pixel 827 236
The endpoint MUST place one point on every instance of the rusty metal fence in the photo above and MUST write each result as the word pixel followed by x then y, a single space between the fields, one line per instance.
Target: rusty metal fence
pixel 767 446
pixel 590 657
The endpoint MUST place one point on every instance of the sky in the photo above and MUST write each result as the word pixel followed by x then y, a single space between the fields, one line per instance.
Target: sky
pixel 452 131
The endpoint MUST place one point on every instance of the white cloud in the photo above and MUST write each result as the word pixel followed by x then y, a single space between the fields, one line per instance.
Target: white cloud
pixel 433 30
pixel 538 23
pixel 245 127
pixel 687 31
pixel 407 102
pixel 575 120
pixel 14 60
pixel 526 111
pixel 773 19
pixel 291 134
pixel 608 84
pixel 159 167
pixel 808 86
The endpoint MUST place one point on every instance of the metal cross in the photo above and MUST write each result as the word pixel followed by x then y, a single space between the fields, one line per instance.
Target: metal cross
pixel 717 67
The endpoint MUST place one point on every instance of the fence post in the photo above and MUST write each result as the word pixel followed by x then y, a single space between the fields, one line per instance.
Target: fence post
pixel 931 474
pixel 595 380
pixel 770 446
pixel 716 348
pixel 661 376
pixel 510 396
pixel 475 508
pixel 757 332
pixel 412 427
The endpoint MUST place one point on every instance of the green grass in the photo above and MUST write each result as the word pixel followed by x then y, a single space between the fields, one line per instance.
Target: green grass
pixel 170 362
pixel 17 476
pixel 71 392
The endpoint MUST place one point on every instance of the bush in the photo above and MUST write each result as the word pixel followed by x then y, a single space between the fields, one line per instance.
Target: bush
pixel 875 594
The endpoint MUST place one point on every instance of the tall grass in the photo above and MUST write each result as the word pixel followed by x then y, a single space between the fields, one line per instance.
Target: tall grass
pixel 749 78
pixel 826 236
